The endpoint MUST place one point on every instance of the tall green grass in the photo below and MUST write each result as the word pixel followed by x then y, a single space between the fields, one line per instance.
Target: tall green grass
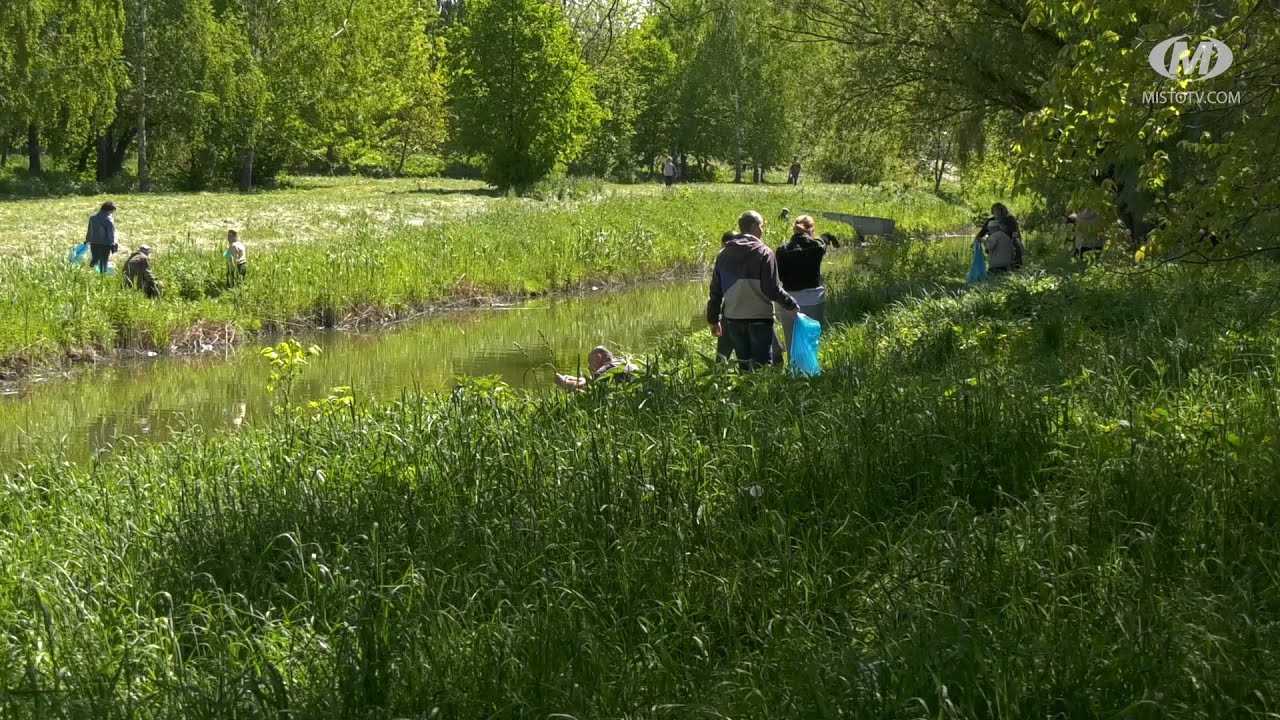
pixel 376 263
pixel 1053 496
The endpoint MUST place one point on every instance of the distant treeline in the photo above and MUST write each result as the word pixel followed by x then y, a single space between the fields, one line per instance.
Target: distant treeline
pixel 1054 96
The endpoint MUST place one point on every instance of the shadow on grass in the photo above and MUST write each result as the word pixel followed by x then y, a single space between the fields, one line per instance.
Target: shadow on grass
pixel 446 191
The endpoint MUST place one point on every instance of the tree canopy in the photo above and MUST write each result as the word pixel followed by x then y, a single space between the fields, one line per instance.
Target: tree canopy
pixel 1060 97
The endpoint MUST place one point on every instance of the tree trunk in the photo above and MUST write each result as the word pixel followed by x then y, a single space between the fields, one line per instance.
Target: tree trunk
pixel 82 163
pixel 5 146
pixel 331 158
pixel 144 171
pixel 939 166
pixel 737 140
pixel 121 150
pixel 404 154
pixel 33 150
pixel 246 171
pixel 103 161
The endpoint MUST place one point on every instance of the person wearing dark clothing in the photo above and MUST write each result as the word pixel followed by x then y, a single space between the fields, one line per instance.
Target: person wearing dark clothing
pixel 1002 239
pixel 724 348
pixel 137 273
pixel 800 269
pixel 744 286
pixel 793 176
pixel 101 236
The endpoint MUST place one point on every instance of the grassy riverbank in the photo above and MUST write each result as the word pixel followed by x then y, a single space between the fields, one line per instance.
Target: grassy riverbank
pixel 1051 497
pixel 332 252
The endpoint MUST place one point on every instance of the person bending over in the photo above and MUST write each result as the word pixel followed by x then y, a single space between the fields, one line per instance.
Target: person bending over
pixel 137 273
pixel 602 364
pixel 1087 237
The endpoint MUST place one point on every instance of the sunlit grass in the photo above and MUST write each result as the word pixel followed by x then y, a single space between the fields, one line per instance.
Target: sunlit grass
pixel 1052 496
pixel 332 252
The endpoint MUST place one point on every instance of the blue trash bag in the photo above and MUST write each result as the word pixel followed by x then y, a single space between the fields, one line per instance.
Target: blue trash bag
pixel 804 346
pixel 978 268
pixel 77 254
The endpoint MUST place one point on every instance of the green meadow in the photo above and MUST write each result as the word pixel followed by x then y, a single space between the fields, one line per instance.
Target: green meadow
pixel 345 252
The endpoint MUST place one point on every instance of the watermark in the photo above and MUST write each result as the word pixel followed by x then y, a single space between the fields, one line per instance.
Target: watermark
pixel 1174 59
pixel 1177 60
pixel 1191 97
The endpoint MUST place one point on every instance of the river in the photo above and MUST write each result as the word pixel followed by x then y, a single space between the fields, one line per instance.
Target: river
pixel 98 408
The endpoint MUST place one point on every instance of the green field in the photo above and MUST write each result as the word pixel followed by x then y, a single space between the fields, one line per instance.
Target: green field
pixel 336 251
pixel 1049 497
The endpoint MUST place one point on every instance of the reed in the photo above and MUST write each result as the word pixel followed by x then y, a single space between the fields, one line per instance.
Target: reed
pixel 1052 496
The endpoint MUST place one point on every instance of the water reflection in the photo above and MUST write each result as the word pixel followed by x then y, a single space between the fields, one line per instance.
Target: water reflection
pixel 100 408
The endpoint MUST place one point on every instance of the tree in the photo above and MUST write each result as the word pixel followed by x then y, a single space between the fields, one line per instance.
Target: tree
pixel 1174 168
pixel 633 88
pixel 64 71
pixel 522 94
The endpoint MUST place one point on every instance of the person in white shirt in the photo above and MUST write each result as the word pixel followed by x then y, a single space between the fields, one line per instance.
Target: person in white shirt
pixel 669 171
pixel 237 258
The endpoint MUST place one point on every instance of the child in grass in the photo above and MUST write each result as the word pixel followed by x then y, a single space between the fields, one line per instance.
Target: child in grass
pixel 237 258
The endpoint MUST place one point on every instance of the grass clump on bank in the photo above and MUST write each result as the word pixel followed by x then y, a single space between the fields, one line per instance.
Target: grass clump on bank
pixel 380 262
pixel 1052 496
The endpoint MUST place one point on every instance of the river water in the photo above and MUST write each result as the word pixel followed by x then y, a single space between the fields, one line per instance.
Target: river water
pixel 98 408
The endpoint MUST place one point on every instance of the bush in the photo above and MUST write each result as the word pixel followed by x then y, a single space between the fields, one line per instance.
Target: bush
pixel 563 189
pixel 460 167
pixel 17 182
pixel 423 166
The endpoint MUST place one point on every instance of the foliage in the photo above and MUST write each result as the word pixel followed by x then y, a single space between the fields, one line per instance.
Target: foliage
pixel 1177 168
pixel 520 89
pixel 287 360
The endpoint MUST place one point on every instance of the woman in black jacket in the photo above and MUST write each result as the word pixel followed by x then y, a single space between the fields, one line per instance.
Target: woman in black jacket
pixel 800 269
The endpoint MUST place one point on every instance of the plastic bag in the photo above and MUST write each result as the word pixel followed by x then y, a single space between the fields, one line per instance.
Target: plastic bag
pixel 978 268
pixel 77 254
pixel 804 346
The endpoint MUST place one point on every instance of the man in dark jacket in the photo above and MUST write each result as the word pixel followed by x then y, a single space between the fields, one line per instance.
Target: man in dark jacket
pixel 744 286
pixel 137 273
pixel 101 236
